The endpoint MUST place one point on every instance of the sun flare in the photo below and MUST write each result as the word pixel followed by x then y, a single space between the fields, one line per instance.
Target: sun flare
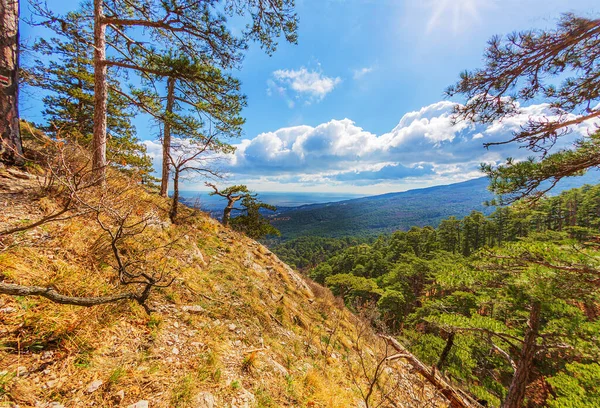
pixel 454 14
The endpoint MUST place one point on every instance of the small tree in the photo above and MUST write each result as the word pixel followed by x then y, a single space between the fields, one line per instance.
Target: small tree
pixel 124 242
pixel 196 93
pixel 192 156
pixel 233 194
pixel 251 220
pixel 522 67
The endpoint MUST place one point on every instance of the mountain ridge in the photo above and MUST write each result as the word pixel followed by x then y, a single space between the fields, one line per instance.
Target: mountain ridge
pixel 388 212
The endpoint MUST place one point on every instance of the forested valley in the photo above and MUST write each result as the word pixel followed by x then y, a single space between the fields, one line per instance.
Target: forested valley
pixel 461 295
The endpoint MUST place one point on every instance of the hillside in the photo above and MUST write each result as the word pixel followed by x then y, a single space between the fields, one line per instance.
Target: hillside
pixel 235 328
pixel 396 211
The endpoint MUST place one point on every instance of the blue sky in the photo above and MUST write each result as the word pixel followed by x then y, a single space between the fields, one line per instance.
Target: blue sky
pixel 358 106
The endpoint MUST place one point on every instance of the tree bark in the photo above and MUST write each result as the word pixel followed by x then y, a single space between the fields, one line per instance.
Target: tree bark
pixel 516 391
pixel 100 94
pixel 11 148
pixel 446 351
pixel 456 399
pixel 166 163
pixel 227 212
pixel 175 203
pixel 53 295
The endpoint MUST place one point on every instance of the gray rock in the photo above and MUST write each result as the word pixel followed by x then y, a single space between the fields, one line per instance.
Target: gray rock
pixel 279 369
pixel 244 400
pixel 139 404
pixel 204 400
pixel 193 309
pixel 94 385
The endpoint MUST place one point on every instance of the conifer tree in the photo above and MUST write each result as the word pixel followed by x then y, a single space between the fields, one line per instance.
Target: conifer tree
pixel 198 29
pixel 527 307
pixel 195 89
pixel 527 65
pixel 65 69
pixel 232 194
pixel 11 148
pixel 250 219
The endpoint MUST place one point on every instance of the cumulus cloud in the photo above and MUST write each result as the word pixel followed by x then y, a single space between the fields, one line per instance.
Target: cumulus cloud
pixel 425 146
pixel 310 86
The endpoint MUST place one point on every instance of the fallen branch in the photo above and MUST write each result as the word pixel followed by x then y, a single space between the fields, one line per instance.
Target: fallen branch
pixel 454 396
pixel 53 295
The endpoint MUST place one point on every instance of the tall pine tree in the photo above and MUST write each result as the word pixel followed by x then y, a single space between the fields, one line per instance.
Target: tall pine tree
pixel 65 70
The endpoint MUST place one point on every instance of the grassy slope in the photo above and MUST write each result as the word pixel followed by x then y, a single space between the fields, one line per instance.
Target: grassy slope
pixel 250 301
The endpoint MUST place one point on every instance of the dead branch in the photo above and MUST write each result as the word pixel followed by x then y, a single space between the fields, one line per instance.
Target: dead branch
pixel 56 297
pixel 455 398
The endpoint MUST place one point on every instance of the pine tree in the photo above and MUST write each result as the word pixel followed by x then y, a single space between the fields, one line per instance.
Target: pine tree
pixel 251 220
pixel 197 94
pixel 65 70
pixel 11 148
pixel 526 314
pixel 200 115
pixel 522 67
pixel 135 31
pixel 449 234
pixel 232 194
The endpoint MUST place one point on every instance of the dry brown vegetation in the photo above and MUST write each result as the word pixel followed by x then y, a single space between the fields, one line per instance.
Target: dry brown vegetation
pixel 235 322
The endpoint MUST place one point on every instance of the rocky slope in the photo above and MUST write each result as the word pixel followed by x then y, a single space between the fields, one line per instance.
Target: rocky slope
pixel 236 328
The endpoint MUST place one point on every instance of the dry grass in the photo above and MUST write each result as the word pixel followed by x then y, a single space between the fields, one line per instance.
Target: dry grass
pixel 261 330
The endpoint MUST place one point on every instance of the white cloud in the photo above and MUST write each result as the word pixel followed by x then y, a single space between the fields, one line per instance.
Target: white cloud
pixel 308 85
pixel 359 73
pixel 423 149
pixel 423 145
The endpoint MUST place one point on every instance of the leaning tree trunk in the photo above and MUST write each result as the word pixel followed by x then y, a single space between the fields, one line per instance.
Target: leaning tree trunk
pixel 227 212
pixel 100 94
pixel 11 149
pixel 516 391
pixel 446 351
pixel 175 203
pixel 166 161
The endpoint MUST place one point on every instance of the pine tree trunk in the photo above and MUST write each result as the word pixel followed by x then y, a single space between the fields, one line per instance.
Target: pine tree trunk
pixel 446 351
pixel 166 164
pixel 227 213
pixel 175 203
pixel 100 94
pixel 11 148
pixel 516 391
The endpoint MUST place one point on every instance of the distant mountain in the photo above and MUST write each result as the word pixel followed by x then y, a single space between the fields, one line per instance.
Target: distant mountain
pixel 396 211
pixel 208 203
